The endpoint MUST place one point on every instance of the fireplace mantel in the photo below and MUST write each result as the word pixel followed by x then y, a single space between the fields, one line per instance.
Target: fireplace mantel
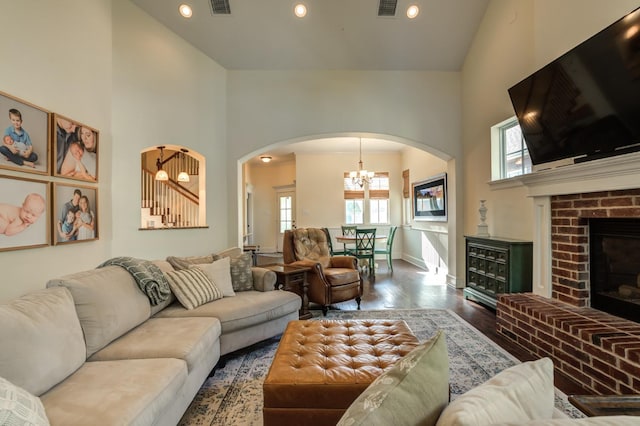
pixel 606 174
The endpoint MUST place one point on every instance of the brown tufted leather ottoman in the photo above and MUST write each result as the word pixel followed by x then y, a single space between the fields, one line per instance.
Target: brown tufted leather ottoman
pixel 322 366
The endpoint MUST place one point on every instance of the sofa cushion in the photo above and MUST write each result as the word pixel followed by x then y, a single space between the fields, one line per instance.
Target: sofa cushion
pixel 108 302
pixel 126 392
pixel 520 393
pixel 41 339
pixel 179 263
pixel 246 309
pixel 188 339
pixel 414 391
pixel 192 287
pixel 591 421
pixel 18 407
pixel 219 272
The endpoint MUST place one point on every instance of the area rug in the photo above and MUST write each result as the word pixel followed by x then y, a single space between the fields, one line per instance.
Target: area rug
pixel 233 395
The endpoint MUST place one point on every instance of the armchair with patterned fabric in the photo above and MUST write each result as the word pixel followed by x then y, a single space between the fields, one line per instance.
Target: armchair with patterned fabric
pixel 332 279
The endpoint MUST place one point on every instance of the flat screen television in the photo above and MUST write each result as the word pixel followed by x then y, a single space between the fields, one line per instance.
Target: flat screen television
pixel 585 104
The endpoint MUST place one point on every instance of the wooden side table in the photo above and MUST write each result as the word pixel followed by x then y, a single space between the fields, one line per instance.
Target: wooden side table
pixel 608 405
pixel 293 278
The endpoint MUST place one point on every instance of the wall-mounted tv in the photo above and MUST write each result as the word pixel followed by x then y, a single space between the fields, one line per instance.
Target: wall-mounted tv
pixel 586 103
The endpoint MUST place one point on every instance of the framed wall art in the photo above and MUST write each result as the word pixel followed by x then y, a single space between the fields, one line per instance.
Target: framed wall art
pixel 26 134
pixel 430 199
pixel 75 216
pixel 24 213
pixel 75 149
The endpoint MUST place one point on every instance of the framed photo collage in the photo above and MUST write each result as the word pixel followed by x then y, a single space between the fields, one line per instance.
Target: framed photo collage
pixel 56 201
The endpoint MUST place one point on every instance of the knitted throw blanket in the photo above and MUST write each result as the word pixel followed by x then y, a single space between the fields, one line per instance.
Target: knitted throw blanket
pixel 149 277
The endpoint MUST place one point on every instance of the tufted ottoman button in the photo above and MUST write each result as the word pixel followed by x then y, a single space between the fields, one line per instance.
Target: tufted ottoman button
pixel 322 366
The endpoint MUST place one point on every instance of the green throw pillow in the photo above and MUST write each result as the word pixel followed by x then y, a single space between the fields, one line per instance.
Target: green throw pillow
pixel 19 407
pixel 241 274
pixel 192 287
pixel 414 391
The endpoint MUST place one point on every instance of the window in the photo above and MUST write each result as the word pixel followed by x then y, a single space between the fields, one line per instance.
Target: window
pixel 509 154
pixel 375 196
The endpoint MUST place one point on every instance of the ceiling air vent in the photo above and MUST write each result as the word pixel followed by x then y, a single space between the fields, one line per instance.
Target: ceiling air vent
pixel 387 7
pixel 220 7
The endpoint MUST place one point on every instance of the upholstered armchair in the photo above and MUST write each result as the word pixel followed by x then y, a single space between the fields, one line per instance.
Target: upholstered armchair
pixel 332 279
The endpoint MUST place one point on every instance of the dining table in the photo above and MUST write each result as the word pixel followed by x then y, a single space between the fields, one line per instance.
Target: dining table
pixel 351 239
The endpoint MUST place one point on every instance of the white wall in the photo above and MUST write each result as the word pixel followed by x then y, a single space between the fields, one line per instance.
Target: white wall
pixel 164 92
pixel 64 69
pixel 420 108
pixel 107 64
pixel 516 38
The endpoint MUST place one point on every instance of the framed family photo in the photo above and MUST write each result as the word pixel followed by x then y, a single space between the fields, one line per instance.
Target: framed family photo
pixel 24 213
pixel 75 217
pixel 75 149
pixel 26 134
pixel 430 199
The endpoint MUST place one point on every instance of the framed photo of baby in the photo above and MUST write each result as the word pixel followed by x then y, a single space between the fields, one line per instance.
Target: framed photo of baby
pixel 75 147
pixel 75 216
pixel 24 213
pixel 25 136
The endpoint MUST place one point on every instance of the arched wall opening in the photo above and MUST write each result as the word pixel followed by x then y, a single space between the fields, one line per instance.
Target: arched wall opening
pixel 430 245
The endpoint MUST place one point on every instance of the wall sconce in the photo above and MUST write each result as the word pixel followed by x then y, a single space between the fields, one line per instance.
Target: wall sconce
pixel 161 174
pixel 265 158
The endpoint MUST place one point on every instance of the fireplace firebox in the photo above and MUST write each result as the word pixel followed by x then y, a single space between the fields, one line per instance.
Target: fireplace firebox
pixel 614 261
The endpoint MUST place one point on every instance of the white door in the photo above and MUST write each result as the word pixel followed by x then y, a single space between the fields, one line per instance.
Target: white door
pixel 286 208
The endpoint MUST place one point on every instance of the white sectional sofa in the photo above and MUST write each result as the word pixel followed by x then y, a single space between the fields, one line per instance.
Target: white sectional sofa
pixel 95 351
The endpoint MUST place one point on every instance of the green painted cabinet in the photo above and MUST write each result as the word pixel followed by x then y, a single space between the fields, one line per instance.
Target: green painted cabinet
pixel 497 265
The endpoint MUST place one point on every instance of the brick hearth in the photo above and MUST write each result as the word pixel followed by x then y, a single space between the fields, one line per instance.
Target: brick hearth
pixel 598 350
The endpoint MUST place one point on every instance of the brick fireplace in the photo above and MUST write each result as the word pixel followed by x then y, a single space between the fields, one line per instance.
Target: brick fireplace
pixel 597 349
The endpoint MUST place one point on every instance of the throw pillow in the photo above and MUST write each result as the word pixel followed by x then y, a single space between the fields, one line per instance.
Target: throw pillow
pixel 179 263
pixel 518 394
pixel 19 407
pixel 241 274
pixel 219 272
pixel 192 287
pixel 589 421
pixel 414 391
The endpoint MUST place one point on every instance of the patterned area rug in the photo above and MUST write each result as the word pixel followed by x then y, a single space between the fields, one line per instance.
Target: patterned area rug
pixel 233 396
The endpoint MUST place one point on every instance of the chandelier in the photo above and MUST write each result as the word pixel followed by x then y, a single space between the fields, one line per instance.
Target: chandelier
pixel 161 174
pixel 361 176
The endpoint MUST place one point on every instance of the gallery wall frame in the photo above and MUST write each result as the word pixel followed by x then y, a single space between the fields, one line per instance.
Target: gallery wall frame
pixel 82 224
pixel 75 149
pixel 29 128
pixel 25 212
pixel 430 199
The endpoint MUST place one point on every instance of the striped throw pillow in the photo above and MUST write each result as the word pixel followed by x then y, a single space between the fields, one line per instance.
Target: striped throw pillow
pixel 192 287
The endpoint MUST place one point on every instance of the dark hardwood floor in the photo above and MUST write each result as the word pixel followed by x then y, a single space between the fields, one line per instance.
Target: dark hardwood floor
pixel 410 287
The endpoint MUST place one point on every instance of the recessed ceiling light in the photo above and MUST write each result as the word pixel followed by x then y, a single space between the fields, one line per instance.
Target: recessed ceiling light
pixel 265 158
pixel 300 10
pixel 412 11
pixel 185 10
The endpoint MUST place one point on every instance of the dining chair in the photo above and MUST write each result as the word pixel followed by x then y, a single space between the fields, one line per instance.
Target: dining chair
pixel 330 244
pixel 365 248
pixel 389 247
pixel 348 231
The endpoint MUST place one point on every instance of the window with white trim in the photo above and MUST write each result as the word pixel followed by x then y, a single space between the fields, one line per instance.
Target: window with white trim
pixel 509 153
pixel 375 196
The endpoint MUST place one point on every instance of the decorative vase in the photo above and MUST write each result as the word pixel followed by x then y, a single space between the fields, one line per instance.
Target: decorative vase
pixel 483 228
